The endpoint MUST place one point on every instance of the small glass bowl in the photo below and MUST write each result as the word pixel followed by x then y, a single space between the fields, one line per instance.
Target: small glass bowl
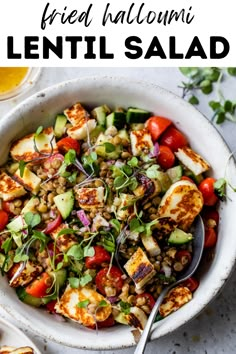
pixel 27 83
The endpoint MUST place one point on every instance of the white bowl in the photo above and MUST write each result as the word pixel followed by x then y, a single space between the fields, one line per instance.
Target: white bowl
pixel 41 109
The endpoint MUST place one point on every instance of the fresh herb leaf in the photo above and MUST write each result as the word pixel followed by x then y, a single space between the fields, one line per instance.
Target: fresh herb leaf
pixel 193 100
pixel 134 224
pixel 83 304
pixel 232 71
pixel 109 147
pixel 153 171
pixel 220 188
pixel 59 265
pixel 38 131
pixel 84 280
pixel 103 303
pixel 76 252
pixel 72 177
pixel 115 225
pixel 125 307
pixel 7 245
pixel 19 257
pixel 119 182
pixel 74 282
pixel 89 251
pixel 70 157
pixel 32 219
pixel 67 231
pixel 39 235
pixel 133 162
pixel 22 165
pixel 127 170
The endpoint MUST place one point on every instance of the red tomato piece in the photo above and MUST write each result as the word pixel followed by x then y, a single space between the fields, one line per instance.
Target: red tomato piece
pixel 157 125
pixel 186 178
pixel 50 306
pixel 101 256
pixel 211 216
pixel 4 217
pixel 210 238
pixel 173 138
pixel 191 283
pixel 6 207
pixel 206 187
pixel 53 225
pixel 39 286
pixel 184 257
pixel 113 280
pixel 165 158
pixel 68 143
pixel 149 300
pixel 109 322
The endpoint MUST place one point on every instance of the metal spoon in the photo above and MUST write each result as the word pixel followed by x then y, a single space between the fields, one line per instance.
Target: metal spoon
pixel 198 243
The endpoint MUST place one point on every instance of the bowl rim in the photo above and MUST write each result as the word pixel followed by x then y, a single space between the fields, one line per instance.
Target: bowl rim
pixel 28 102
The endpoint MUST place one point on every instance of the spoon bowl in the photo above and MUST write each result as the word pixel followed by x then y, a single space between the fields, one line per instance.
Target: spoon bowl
pixel 198 244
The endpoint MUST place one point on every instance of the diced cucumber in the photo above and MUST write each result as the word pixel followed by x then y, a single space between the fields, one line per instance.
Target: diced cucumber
pixel 179 237
pixel 100 113
pixel 116 119
pixel 164 180
pixel 121 318
pixel 64 203
pixel 17 224
pixel 123 134
pixel 197 179
pixel 136 115
pixel 137 126
pixel 27 298
pixel 60 125
pixel 96 131
pixel 175 173
pixel 60 277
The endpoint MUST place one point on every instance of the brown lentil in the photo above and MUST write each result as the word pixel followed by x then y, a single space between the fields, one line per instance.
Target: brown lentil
pixel 152 210
pixel 147 205
pixel 153 216
pixel 125 155
pixel 178 267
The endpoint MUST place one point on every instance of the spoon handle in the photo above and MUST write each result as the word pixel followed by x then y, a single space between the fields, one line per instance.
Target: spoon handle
pixel 145 334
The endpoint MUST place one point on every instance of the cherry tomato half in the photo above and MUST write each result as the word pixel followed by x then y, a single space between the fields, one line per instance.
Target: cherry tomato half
pixel 184 257
pixel 210 238
pixel 149 300
pixel 6 207
pixel 50 306
pixel 157 125
pixel 101 256
pixel 186 178
pixel 68 143
pixel 109 322
pixel 206 187
pixel 113 280
pixel 3 219
pixel 53 225
pixel 39 286
pixel 191 283
pixel 165 158
pixel 173 138
pixel 211 217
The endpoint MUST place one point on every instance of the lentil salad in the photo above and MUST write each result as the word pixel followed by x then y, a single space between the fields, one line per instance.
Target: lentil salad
pixel 69 192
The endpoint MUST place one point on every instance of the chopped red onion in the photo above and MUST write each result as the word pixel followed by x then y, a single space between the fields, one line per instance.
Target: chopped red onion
pixel 83 217
pixel 112 299
pixel 52 214
pixel 156 150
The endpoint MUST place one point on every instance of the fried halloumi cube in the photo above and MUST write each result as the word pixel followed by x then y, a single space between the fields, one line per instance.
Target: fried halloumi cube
pixel 192 160
pixel 139 268
pixel 150 245
pixel 136 318
pixel 175 299
pixel 87 316
pixel 65 241
pixel 25 149
pixel 141 142
pixel 29 180
pixel 76 113
pixel 30 272
pixel 90 198
pixel 182 202
pixel 126 206
pixel 10 189
pixel 81 124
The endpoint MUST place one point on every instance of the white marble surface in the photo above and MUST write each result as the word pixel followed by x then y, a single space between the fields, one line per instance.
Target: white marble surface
pixel 213 331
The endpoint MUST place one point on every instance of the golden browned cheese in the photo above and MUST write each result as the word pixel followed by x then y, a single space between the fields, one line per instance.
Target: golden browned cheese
pixel 68 306
pixel 76 115
pixel 24 149
pixel 30 272
pixel 90 198
pixel 192 160
pixel 13 350
pixel 63 242
pixel 175 299
pixel 10 189
pixel 182 203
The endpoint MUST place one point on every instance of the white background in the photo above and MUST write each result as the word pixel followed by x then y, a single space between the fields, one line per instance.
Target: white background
pixel 23 18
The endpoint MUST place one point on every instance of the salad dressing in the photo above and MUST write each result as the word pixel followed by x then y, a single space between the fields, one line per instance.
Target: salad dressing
pixel 11 77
